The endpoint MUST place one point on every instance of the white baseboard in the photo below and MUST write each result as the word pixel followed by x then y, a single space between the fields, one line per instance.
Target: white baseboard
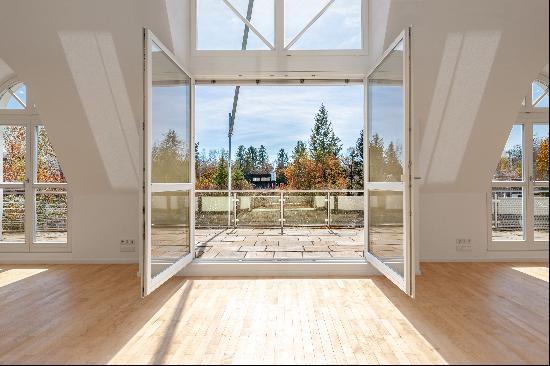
pixel 485 260
pixel 45 261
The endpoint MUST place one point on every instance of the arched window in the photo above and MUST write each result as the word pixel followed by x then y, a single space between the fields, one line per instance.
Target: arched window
pixel 33 189
pixel 539 94
pixel 14 97
pixel 518 204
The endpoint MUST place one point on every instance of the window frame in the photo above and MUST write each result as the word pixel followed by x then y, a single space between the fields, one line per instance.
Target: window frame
pixel 279 49
pixel 30 119
pixel 529 107
pixel 528 117
pixel 30 108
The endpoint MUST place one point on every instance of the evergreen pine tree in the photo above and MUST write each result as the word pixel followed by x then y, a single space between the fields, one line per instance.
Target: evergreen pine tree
pixel 240 156
pixel 220 178
pixel 393 168
pixel 357 182
pixel 299 150
pixel 281 165
pixel 323 141
pixel 237 175
pixel 169 159
pixel 263 160
pixel 250 160
pixel 376 159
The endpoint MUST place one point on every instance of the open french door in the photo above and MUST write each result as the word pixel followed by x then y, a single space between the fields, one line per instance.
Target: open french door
pixel 389 245
pixel 168 190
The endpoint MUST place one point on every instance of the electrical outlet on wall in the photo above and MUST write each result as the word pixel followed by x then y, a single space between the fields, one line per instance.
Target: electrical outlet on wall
pixel 127 245
pixel 464 245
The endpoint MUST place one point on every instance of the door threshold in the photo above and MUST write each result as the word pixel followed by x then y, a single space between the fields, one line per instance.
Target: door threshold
pixel 302 268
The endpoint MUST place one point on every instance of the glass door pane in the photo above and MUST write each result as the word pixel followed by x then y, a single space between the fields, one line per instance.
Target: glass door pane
pixel 507 214
pixel 389 246
pixel 540 181
pixel 12 226
pixel 169 193
pixel 13 203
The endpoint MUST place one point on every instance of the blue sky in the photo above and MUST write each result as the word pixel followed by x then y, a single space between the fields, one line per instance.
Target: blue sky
pixel 515 137
pixel 338 28
pixel 275 116
pixel 170 109
pixel 386 113
pixel 278 116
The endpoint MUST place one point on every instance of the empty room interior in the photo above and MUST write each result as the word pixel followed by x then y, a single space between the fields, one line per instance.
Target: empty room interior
pixel 274 182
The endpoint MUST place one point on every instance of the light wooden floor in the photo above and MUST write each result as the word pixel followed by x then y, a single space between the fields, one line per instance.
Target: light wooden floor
pixel 463 313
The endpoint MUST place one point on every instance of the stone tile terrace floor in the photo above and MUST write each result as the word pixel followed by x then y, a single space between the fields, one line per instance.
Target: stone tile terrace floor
pixel 295 243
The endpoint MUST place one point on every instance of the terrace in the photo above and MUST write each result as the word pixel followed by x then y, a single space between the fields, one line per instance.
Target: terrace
pixel 288 225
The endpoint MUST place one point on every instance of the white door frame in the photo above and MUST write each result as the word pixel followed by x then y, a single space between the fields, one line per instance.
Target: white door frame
pixel 405 283
pixel 149 284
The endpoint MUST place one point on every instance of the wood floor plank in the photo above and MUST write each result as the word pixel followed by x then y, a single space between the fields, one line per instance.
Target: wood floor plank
pixel 92 314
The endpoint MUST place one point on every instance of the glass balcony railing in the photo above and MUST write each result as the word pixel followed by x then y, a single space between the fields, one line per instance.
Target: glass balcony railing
pixel 279 208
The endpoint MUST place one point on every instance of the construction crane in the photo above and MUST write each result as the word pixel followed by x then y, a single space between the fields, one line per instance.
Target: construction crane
pixel 234 109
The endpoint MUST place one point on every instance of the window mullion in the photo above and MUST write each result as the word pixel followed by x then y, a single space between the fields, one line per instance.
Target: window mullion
pixel 279 25
pixel 248 24
pixel 540 98
pixel 17 98
pixel 311 22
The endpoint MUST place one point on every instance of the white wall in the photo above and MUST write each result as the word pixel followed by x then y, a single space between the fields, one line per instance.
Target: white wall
pixel 82 61
pixel 473 61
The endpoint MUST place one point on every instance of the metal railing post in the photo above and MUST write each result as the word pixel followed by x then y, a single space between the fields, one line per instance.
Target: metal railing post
pixel 282 215
pixel 328 210
pixel 228 209
pixel 235 200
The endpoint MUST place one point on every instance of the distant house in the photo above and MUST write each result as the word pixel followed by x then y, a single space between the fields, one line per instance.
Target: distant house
pixel 261 180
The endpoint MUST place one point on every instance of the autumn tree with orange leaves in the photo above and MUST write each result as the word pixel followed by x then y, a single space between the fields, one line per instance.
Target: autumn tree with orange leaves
pixel 318 167
pixel 542 161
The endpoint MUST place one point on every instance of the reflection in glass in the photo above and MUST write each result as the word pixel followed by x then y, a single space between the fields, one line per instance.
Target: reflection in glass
pixel 541 213
pixel 171 123
pixel 170 237
pixel 12 206
pixel 51 215
pixel 507 213
pixel 386 238
pixel 47 165
pixel 13 145
pixel 540 151
pixel 510 165
pixel 386 129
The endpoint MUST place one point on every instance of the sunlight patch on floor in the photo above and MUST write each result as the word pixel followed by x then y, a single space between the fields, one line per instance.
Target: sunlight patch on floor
pixel 540 272
pixel 278 320
pixel 9 276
